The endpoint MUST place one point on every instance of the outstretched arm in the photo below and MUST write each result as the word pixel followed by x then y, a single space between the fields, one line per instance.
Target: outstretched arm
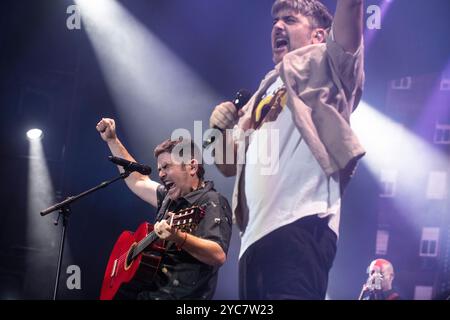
pixel 348 24
pixel 141 185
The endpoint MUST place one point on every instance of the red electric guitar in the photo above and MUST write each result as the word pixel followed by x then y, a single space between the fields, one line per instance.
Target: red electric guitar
pixel 138 255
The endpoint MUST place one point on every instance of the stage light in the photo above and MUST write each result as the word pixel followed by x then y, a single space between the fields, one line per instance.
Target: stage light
pixel 42 237
pixel 398 159
pixel 146 78
pixel 34 134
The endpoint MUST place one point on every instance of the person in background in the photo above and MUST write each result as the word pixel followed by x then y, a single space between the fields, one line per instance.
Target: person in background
pixel 379 283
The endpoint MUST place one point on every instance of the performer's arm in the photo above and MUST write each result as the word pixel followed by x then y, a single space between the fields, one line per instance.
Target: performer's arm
pixel 220 156
pixel 348 24
pixel 141 185
pixel 224 117
pixel 206 251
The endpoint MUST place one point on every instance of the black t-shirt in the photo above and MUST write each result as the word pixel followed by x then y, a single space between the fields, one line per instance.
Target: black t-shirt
pixel 180 275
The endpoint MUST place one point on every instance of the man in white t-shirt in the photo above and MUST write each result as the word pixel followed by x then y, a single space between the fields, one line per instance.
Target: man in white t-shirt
pixel 294 150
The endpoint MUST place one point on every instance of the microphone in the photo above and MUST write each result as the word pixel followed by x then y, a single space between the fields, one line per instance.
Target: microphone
pixel 131 166
pixel 374 281
pixel 241 99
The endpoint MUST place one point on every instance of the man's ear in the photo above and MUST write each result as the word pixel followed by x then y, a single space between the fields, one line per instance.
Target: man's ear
pixel 318 35
pixel 194 167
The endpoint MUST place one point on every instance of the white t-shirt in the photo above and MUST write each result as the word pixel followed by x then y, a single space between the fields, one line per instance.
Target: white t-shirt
pixel 283 180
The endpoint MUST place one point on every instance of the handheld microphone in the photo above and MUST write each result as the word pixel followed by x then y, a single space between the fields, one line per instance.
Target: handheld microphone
pixel 374 281
pixel 131 166
pixel 241 99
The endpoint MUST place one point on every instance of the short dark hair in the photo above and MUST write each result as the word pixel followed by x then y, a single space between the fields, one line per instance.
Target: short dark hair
pixel 168 146
pixel 314 10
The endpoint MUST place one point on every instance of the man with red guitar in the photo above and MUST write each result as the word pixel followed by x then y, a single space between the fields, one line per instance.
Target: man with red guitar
pixel 189 262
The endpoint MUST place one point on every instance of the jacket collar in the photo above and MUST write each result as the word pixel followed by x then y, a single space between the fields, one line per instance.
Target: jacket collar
pixel 193 196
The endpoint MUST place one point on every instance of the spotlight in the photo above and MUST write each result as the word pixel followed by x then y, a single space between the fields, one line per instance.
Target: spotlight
pixel 34 134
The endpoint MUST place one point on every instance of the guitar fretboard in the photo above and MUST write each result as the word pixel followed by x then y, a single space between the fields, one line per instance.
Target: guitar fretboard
pixel 144 243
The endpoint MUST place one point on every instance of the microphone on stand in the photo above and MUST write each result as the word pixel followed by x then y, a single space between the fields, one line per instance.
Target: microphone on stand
pixel 241 99
pixel 131 166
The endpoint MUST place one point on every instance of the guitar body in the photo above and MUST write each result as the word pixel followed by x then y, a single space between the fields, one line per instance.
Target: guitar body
pixel 122 269
pixel 137 256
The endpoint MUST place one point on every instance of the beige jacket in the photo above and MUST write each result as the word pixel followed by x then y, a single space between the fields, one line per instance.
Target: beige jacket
pixel 324 85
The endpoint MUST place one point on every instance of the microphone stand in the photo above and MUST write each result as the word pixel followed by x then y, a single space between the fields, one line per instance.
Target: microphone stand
pixel 64 211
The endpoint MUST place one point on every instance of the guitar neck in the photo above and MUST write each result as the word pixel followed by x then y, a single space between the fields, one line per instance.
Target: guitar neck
pixel 184 220
pixel 144 243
